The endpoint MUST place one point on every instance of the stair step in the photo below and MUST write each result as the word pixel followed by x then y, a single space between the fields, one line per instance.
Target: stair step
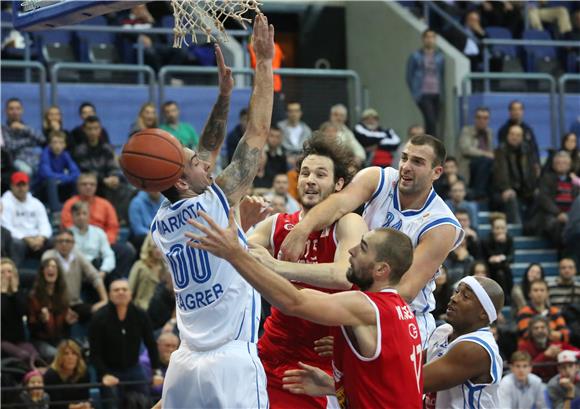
pixel 536 255
pixel 531 242
pixel 518 269
pixel 513 229
pixel 483 217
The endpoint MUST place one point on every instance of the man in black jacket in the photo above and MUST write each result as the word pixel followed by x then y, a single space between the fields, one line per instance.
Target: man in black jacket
pixel 516 117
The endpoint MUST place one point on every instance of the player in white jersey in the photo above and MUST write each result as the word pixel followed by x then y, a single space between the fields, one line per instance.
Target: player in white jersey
pixel 216 365
pixel 464 367
pixel 404 200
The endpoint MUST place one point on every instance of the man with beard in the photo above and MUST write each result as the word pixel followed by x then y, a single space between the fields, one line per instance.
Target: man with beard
pixel 404 200
pixel 377 355
pixel 323 169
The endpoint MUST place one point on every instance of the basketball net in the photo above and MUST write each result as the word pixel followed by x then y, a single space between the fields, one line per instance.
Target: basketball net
pixel 208 17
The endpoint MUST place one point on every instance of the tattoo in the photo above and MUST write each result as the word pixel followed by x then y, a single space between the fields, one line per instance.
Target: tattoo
pixel 214 131
pixel 240 173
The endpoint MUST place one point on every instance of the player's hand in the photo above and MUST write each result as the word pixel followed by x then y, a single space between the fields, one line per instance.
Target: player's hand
pixel 324 346
pixel 294 243
pixel 226 79
pixel 264 257
pixel 309 380
pixel 220 242
pixel 263 38
pixel 253 210
pixel 110 380
pixel 97 306
pixel 157 380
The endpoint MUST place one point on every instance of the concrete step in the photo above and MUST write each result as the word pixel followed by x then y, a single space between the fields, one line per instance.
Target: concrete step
pixel 535 255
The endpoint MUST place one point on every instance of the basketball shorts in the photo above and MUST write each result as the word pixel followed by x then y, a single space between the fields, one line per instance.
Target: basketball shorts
pixel 230 376
pixel 427 325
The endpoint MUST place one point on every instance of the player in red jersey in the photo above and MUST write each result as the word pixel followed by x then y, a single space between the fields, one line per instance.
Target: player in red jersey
pixel 323 266
pixel 377 353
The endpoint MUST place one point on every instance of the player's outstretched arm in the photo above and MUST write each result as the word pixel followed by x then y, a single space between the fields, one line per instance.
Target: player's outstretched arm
pixel 357 192
pixel 309 380
pixel 214 131
pixel 346 308
pixel 240 173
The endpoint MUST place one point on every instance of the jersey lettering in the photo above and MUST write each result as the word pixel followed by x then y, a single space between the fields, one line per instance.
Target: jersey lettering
pixel 199 299
pixel 180 219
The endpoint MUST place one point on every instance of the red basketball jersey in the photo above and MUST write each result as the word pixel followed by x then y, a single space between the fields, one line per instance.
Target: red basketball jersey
pixel 393 377
pixel 286 339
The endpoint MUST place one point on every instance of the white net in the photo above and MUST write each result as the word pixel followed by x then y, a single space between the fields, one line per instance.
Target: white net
pixel 207 17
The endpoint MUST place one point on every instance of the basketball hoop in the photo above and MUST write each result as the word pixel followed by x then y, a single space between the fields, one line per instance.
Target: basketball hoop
pixel 208 17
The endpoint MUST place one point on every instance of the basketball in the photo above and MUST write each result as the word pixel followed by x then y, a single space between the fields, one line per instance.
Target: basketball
pixel 152 160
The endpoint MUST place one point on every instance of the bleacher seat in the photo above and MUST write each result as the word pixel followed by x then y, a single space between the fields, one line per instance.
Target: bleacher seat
pixel 508 56
pixel 541 58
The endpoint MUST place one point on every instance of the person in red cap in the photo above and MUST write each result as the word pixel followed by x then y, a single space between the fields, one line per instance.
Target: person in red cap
pixel 564 388
pixel 26 219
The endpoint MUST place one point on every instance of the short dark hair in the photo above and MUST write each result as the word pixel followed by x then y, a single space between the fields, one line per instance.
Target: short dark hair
pixel 539 280
pixel 78 206
pixel 171 194
pixel 13 99
pixel 340 156
pixel 65 231
pixel 243 112
pixel 168 103
pixel 56 134
pixel 84 105
pixel 427 31
pixel 451 159
pixel 462 210
pixel 436 144
pixel 482 109
pixel 396 249
pixel 515 101
pixel 91 119
pixel 537 318
pixel 275 127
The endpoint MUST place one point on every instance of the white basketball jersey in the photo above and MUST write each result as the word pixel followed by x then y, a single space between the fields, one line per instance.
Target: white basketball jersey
pixel 468 395
pixel 383 210
pixel 215 304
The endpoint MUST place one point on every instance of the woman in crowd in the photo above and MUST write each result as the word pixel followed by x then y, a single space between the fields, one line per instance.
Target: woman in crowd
pixel 147 118
pixel 52 121
pixel 520 292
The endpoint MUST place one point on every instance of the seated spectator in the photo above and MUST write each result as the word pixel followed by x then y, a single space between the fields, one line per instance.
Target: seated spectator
pixel 52 121
pixel 568 144
pixel 91 241
pixel 26 219
pixel 458 263
pixel 516 117
pixel 58 173
pixel 442 293
pixel 142 210
pixel 498 251
pixel 479 268
pixel 471 46
pixel 471 236
pixel 514 175
pixel 76 269
pixel 147 118
pixel 49 312
pixel 571 234
pixel 34 396
pixel 167 343
pixel 161 309
pixel 506 14
pixel 234 137
pixel 21 142
pixel 540 12
pixel 565 289
pixel 294 130
pixel 147 273
pixel 68 369
pixel 521 292
pixel 280 187
pixel 538 305
pixel 380 143
pixel 78 135
pixel 276 160
pixel 338 116
pixel 449 176
pixel 476 147
pixel 183 131
pixel 13 310
pixel 116 334
pixel 279 203
pixel 521 389
pixel 457 200
pixel 99 158
pixel 564 388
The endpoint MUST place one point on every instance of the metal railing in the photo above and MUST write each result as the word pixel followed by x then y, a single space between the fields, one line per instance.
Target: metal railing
pixel 562 95
pixel 27 66
pixel 430 6
pixel 507 76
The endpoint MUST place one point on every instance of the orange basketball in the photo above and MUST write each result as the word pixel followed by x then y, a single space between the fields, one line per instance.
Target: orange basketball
pixel 152 160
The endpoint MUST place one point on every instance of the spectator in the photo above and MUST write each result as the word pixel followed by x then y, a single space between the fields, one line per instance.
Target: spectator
pixel 471 236
pixel 538 305
pixel 541 12
pixel 76 269
pixel 425 79
pixel 49 312
pixel 521 292
pixel 278 203
pixel 280 187
pixel 58 172
pixel 91 240
pixel 167 343
pixel 68 369
pixel 379 143
pixel 479 268
pixel 34 396
pixel 116 334
pixel 521 389
pixel 183 131
pixel 147 118
pixel 564 388
pixel 458 263
pixel 276 160
pixel 21 142
pixel 572 232
pixel 506 14
pixel 294 130
pixel 13 311
pixel 236 134
pixel 555 198
pixel 161 309
pixel 442 293
pixel 457 200
pixel 476 147
pixel 142 210
pixel 26 219
pixel 338 117
pixel 449 176
pixel 78 135
pixel 99 158
pixel 471 44
pixel 516 117
pixel 565 289
pixel 52 121
pixel 569 143
pixel 146 274
pixel 514 175
pixel 498 250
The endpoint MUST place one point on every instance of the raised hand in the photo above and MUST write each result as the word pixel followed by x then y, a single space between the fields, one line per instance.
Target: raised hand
pixel 226 79
pixel 253 210
pixel 222 243
pixel 263 38
pixel 309 380
pixel 293 245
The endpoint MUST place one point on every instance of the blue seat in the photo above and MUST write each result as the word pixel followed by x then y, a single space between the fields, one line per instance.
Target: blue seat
pixel 501 50
pixel 536 52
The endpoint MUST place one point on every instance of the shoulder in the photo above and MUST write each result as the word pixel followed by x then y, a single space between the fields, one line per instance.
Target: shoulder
pixel 348 221
pixel 51 377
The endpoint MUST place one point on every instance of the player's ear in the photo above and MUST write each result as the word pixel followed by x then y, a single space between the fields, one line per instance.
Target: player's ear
pixel 437 172
pixel 339 185
pixel 181 185
pixel 383 269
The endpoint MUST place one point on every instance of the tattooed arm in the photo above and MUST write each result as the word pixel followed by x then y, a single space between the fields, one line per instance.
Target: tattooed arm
pixel 239 175
pixel 214 132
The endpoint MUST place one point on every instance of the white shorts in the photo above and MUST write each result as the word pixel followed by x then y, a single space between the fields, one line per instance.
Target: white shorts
pixel 230 376
pixel 427 325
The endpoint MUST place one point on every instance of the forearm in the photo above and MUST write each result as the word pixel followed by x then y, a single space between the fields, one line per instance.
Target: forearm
pixel 100 288
pixel 261 103
pixel 325 213
pixel 214 131
pixel 325 275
